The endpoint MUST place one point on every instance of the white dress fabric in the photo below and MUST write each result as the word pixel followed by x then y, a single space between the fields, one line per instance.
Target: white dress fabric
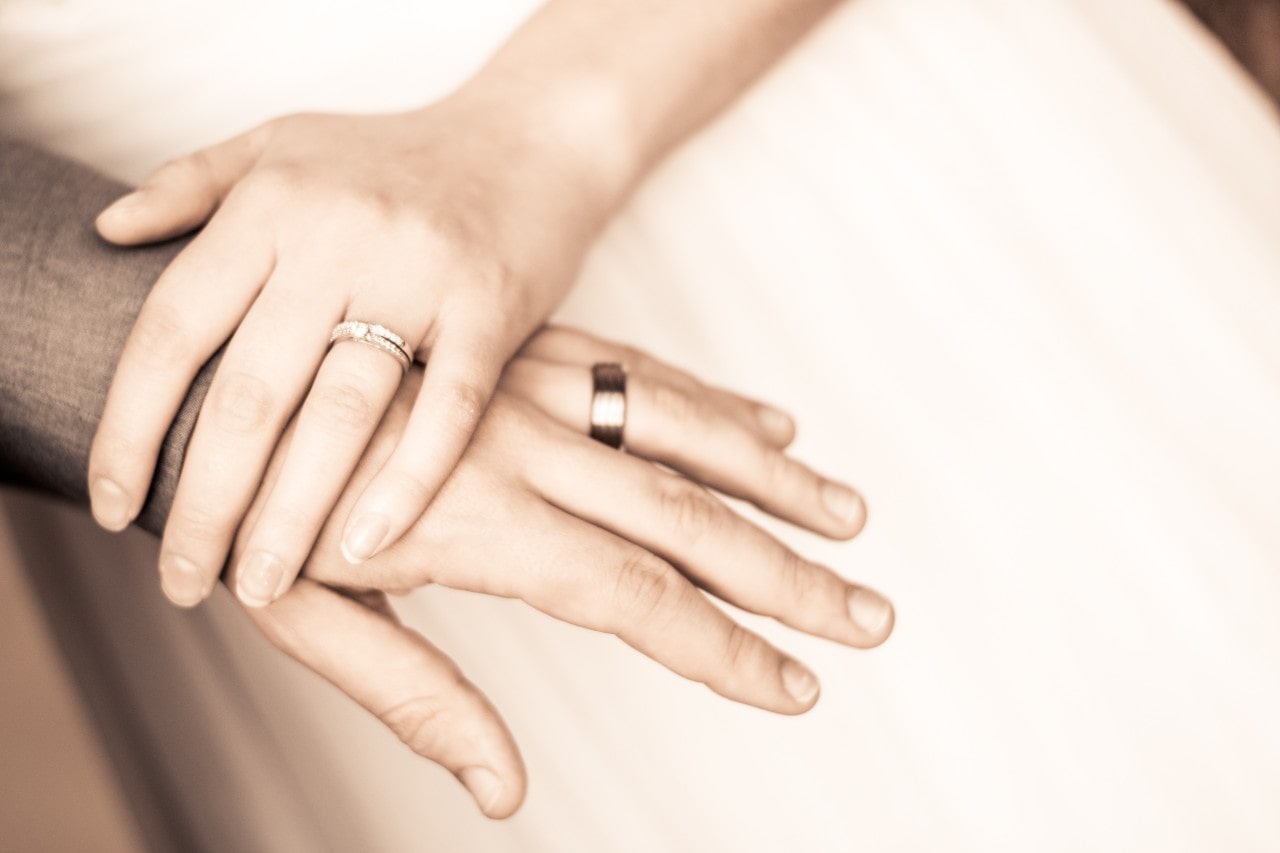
pixel 1014 265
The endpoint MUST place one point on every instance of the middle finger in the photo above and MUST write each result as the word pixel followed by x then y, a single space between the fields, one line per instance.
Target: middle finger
pixel 267 366
pixel 517 546
pixel 721 550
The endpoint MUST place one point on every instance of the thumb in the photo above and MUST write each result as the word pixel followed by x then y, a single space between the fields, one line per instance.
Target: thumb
pixel 409 684
pixel 181 195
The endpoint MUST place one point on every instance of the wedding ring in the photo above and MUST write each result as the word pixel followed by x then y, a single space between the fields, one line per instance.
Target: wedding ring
pixel 376 336
pixel 608 403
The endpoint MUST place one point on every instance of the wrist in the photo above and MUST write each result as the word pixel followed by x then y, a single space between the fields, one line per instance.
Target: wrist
pixel 576 125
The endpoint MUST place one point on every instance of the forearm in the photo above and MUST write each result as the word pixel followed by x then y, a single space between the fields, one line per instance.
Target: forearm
pixel 67 302
pixel 620 82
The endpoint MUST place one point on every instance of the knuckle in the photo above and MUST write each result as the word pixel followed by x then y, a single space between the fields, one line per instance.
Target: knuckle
pixel 410 487
pixel 116 449
pixel 242 402
pixel 689 511
pixel 796 577
pixel 673 404
pixel 633 359
pixel 490 277
pixel 741 650
pixel 495 273
pixel 195 166
pixel 389 218
pixel 376 211
pixel 200 522
pixel 343 407
pixel 289 522
pixel 417 722
pixel 162 336
pixel 256 139
pixel 780 474
pixel 279 180
pixel 643 585
pixel 464 402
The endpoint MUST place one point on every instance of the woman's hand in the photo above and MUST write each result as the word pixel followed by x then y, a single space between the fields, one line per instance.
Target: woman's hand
pixel 458 227
pixel 536 510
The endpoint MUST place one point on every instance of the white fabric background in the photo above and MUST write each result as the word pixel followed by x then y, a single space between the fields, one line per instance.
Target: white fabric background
pixel 1015 266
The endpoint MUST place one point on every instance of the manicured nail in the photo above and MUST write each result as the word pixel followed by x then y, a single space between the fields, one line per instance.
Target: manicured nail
pixel 842 502
pixel 775 423
pixel 364 537
pixel 260 576
pixel 111 506
pixel 181 581
pixel 869 611
pixel 484 786
pixel 800 682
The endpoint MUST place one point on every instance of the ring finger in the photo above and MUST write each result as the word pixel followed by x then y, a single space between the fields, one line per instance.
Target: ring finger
pixel 564 345
pixel 351 393
pixel 702 437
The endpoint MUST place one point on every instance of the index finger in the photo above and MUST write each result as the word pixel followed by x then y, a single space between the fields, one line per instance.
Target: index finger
pixel 192 310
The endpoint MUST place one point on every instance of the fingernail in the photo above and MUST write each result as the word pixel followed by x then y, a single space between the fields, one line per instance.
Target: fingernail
pixel 111 506
pixel 484 786
pixel 869 610
pixel 842 502
pixel 800 682
pixel 363 538
pixel 775 422
pixel 181 581
pixel 260 576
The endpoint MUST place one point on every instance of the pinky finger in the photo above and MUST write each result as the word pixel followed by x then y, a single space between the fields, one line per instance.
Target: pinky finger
pixel 406 682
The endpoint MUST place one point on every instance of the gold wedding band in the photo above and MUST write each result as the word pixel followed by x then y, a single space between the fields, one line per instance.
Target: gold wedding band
pixel 608 403
pixel 379 337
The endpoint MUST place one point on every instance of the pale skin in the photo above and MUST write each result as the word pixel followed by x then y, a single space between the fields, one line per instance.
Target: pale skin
pixel 459 225
pixel 630 552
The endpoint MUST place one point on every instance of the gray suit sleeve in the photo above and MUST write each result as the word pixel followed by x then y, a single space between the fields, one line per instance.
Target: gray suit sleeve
pixel 67 302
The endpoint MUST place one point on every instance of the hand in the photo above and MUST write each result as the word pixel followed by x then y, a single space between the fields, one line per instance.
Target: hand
pixel 623 550
pixel 459 227
pixel 356 643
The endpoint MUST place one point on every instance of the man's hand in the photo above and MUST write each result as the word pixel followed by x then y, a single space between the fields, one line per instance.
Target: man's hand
pixel 608 540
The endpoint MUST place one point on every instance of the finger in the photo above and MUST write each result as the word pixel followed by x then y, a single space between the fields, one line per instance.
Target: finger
pixel 609 584
pixel 262 377
pixel 407 683
pixel 460 377
pixel 572 346
pixel 197 302
pixel 181 194
pixel 726 554
pixel 351 392
pixel 698 435
pixel 581 574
